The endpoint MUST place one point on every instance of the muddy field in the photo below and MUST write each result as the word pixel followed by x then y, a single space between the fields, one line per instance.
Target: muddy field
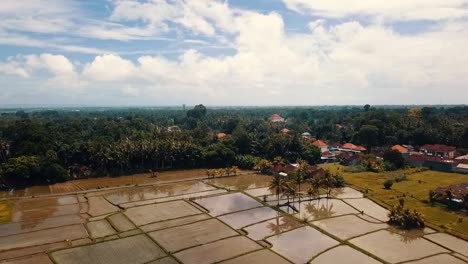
pixel 228 220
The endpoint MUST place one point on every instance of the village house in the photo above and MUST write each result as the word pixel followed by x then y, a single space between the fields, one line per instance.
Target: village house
pixel 349 147
pixel 457 193
pixel 321 145
pixel 437 150
pixel 276 118
pixel 404 151
pixel 433 163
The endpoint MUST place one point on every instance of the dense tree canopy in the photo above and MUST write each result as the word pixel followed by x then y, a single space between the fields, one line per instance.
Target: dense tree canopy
pixel 43 146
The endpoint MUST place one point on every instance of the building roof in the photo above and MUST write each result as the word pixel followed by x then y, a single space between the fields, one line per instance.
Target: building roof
pixel 353 147
pixel 462 157
pixel 462 166
pixel 221 135
pixel 438 148
pixel 283 168
pixel 306 134
pixel 457 190
pixel 284 130
pixel 348 146
pixel 275 117
pixel 319 143
pixel 400 148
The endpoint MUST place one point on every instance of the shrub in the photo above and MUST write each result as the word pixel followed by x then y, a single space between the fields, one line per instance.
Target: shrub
pixel 388 184
pixel 405 218
pixel 389 166
pixel 246 161
pixel 395 158
pixel 339 181
pixel 263 166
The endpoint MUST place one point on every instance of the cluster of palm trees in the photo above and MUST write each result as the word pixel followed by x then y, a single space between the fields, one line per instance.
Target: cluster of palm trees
pixel 130 155
pixel 231 171
pixel 290 185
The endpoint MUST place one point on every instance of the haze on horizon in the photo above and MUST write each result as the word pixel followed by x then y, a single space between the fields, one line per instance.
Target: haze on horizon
pixel 236 52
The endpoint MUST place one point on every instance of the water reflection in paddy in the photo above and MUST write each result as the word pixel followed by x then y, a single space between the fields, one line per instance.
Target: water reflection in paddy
pixel 248 217
pixel 228 203
pixel 318 209
pixel 346 192
pixel 139 194
pixel 340 226
pixel 384 244
pixel 242 182
pixel 344 255
pixel 272 227
pixel 369 208
pixel 300 245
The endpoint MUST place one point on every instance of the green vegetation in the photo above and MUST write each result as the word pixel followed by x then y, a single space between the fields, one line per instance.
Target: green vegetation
pixel 415 192
pixel 394 160
pixel 404 217
pixel 47 146
pixel 5 211
pixel 234 170
pixel 388 184
pixel 291 185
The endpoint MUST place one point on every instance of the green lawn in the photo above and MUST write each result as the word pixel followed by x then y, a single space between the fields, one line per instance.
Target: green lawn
pixel 5 211
pixel 415 190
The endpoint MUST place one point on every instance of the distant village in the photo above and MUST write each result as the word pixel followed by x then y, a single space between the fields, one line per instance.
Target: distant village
pixel 435 157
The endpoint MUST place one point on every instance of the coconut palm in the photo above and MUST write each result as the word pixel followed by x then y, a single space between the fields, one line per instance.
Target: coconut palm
pixel 277 185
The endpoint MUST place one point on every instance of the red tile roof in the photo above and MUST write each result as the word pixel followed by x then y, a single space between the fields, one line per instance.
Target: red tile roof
pixel 438 148
pixel 275 116
pixel 319 143
pixel 348 146
pixel 353 147
pixel 221 135
pixel 284 130
pixel 400 148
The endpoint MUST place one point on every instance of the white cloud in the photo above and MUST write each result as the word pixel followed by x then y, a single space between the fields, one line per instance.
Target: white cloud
pixel 198 16
pixel 109 68
pixel 12 68
pixel 344 63
pixel 393 10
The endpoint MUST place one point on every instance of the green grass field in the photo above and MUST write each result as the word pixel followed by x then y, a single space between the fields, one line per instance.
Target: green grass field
pixel 415 190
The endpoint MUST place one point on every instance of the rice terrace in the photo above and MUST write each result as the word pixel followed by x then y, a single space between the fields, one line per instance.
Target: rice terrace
pixel 233 131
pixel 195 219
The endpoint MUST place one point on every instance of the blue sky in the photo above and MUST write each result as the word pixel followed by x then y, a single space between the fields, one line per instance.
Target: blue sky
pixel 233 52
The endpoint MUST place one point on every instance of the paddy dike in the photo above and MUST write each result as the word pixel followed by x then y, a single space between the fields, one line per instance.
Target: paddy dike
pixel 222 220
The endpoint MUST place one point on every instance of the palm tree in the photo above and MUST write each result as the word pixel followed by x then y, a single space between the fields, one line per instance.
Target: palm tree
pixel 279 161
pixel 277 184
pixel 316 183
pixel 328 182
pixel 289 188
pixel 300 174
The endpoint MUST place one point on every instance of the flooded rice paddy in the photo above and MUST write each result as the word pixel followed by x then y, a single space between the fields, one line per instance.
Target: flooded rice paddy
pixel 211 221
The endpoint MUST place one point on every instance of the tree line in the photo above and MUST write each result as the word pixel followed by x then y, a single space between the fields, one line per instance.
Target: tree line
pixel 47 146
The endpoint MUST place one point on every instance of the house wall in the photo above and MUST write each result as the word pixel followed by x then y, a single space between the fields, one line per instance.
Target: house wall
pixel 439 166
pixel 460 170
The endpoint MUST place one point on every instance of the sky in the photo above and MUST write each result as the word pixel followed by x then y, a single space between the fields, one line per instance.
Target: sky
pixel 233 52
